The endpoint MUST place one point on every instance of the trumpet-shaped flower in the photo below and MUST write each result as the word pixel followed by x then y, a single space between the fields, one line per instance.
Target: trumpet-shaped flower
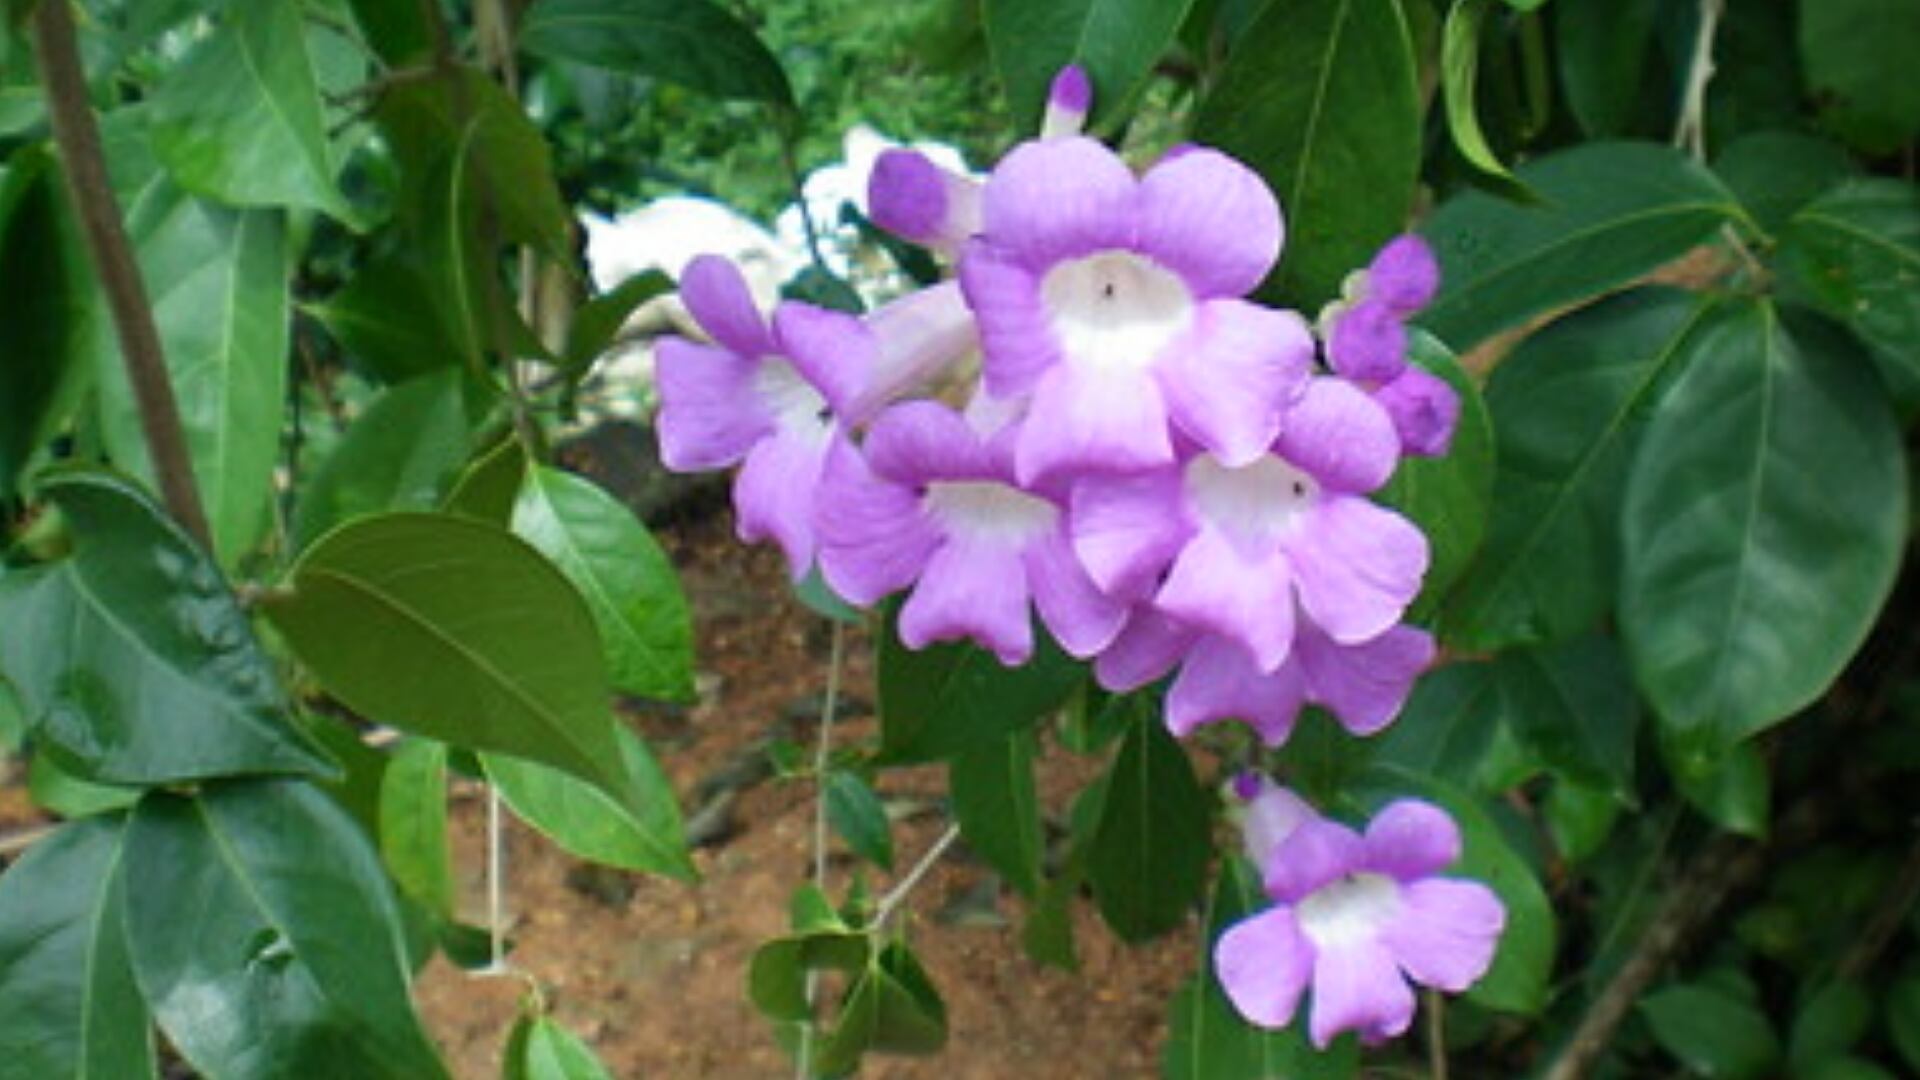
pixel 1355 917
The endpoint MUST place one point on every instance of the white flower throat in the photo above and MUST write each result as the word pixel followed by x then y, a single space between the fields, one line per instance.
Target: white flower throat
pixel 1352 909
pixel 990 511
pixel 1115 309
pixel 1255 504
pixel 795 405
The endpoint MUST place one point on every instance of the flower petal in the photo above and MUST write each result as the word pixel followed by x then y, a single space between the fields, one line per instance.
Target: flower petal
pixel 717 296
pixel 917 442
pixel 1081 617
pixel 1404 275
pixel 1069 100
pixel 1357 987
pixel 1425 409
pixel 911 197
pixel 1059 199
pixel 1340 436
pixel 1210 219
pixel 1216 586
pixel 1017 342
pixel 1364 685
pixel 1126 529
pixel 1410 839
pixel 874 537
pixel 774 494
pixel 1272 814
pixel 1368 342
pixel 1357 566
pixel 1263 963
pixel 1092 421
pixel 1218 681
pixel 920 335
pixel 1236 371
pixel 971 589
pixel 709 416
pixel 1447 932
pixel 832 350
pixel 1315 854
pixel 1147 647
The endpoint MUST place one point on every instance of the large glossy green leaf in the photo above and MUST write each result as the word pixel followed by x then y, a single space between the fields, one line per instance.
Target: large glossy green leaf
pixel 239 119
pixel 413 824
pixel 397 455
pixel 1603 47
pixel 1858 56
pixel 1115 41
pixel 1713 1032
pixel 1775 173
pixel 937 701
pixel 44 282
pixel 1763 524
pixel 1449 727
pixel 620 570
pixel 1147 860
pixel 1208 1039
pixel 1320 97
pixel 455 629
pixel 1854 252
pixel 266 939
pixel 639 829
pixel 1568 407
pixel 133 660
pixel 1609 212
pixel 997 808
pixel 540 1049
pixel 68 1003
pixel 690 42
pixel 1573 705
pixel 1447 496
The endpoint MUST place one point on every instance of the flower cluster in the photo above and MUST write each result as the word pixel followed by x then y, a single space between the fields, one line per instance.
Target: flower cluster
pixel 1174 478
pixel 1355 915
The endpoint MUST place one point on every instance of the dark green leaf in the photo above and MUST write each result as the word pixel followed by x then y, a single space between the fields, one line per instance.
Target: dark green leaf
pixel 1828 1024
pixel 942 699
pixel 1147 859
pixel 239 119
pixel 1568 406
pixel 855 813
pixel 396 456
pixel 1854 253
pixel 1579 818
pixel 1609 213
pixel 68 1003
pixel 1858 56
pixel 261 903
pixel 1775 173
pixel 1603 47
pixel 422 622
pixel 1903 1017
pixel 639 829
pixel 540 1049
pixel 690 42
pixel 1047 936
pixel 1573 705
pixel 777 975
pixel 627 581
pixel 1444 729
pixel 395 30
pixel 490 484
pixel 1712 1032
pixel 363 769
pixel 1116 42
pixel 891 1008
pixel 1730 786
pixel 413 824
pixel 1459 75
pixel 133 660
pixel 44 282
pixel 1763 525
pixel 997 808
pixel 1337 137
pixel 1447 496
pixel 388 318
pixel 598 321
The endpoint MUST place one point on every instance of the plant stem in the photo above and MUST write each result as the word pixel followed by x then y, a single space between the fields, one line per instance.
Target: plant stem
pixel 1436 1035
pixel 496 885
pixel 1690 132
pixel 78 139
pixel 892 900
pixel 822 757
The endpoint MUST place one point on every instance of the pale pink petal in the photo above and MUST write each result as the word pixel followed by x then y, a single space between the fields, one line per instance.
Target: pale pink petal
pixel 1017 342
pixel 1340 436
pixel 1263 964
pixel 1218 681
pixel 1245 596
pixel 1316 853
pixel 972 590
pixel 1127 529
pixel 874 536
pixel 709 415
pixel 920 336
pixel 1410 839
pixel 917 442
pixel 1364 685
pixel 773 496
pixel 1357 566
pixel 1229 380
pixel 1093 421
pixel 832 350
pixel 1357 987
pixel 1272 813
pixel 1447 932
pixel 717 297
pixel 1082 618
pixel 1147 647
pixel 1059 199
pixel 1210 219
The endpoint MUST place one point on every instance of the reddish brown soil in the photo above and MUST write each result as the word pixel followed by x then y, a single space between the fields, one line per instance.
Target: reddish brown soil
pixel 652 972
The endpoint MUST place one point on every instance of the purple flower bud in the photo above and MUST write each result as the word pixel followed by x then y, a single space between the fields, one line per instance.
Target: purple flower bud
pixel 1069 100
pixel 913 198
pixel 1425 411
pixel 1404 275
pixel 1368 342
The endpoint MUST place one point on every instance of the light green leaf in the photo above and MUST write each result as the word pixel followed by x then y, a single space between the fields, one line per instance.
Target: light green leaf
pixel 1733 786
pixel 1712 1032
pixel 413 824
pixel 68 1003
pixel 451 628
pixel 891 1008
pixel 1459 76
pixel 1447 496
pixel 690 42
pixel 397 455
pixel 1337 136
pixel 58 791
pixel 1579 818
pixel 598 321
pixel 635 826
pixel 627 581
pixel 260 903
pixel 1147 859
pixel 1764 521
pixel 1116 42
pixel 540 1049
pixel 1858 56
pixel 133 661
pixel 997 808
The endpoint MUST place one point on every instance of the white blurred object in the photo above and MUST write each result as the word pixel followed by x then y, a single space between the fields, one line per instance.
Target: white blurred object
pixel 668 233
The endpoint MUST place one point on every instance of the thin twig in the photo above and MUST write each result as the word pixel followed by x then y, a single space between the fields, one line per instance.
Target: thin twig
pixel 1690 131
pixel 1436 1035
pixel 896 895
pixel 496 885
pixel 822 757
pixel 78 138
pixel 19 840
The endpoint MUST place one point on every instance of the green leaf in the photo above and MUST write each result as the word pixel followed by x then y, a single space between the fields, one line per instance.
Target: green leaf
pixel 1712 1032
pixel 68 1003
pixel 1603 47
pixel 1443 730
pixel 1763 525
pixel 396 31
pixel 855 813
pixel 1207 1038
pixel 1903 1016
pixel 998 809
pixel 937 701
pixel 598 321
pixel 636 826
pixel 1580 819
pixel 44 284
pixel 397 455
pixel 388 318
pixel 1147 859
pixel 1447 496
pixel 1775 173
pixel 1459 75
pixel 1828 1024
pixel 239 119
pixel 690 42
pixel 1854 254
pixel 1116 42
pixel 490 484
pixel 133 661
pixel 1573 705
pixel 1609 212
pixel 540 1049
pixel 261 902
pixel 1569 406
pixel 776 976
pixel 1858 56
pixel 1517 981
pixel 413 824
pixel 421 621
pixel 1337 137
pixel 627 581
pixel 1731 786
pixel 1047 936
pixel 58 791
pixel 891 1008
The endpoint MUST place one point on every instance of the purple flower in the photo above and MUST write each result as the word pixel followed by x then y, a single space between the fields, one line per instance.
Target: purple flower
pixel 913 198
pixel 931 504
pixel 1356 917
pixel 1270 815
pixel 1069 100
pixel 761 394
pixel 1425 411
pixel 1113 302
pixel 1365 330
pixel 1228 549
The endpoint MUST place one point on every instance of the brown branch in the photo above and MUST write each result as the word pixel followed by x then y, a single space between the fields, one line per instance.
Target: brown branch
pixel 78 139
